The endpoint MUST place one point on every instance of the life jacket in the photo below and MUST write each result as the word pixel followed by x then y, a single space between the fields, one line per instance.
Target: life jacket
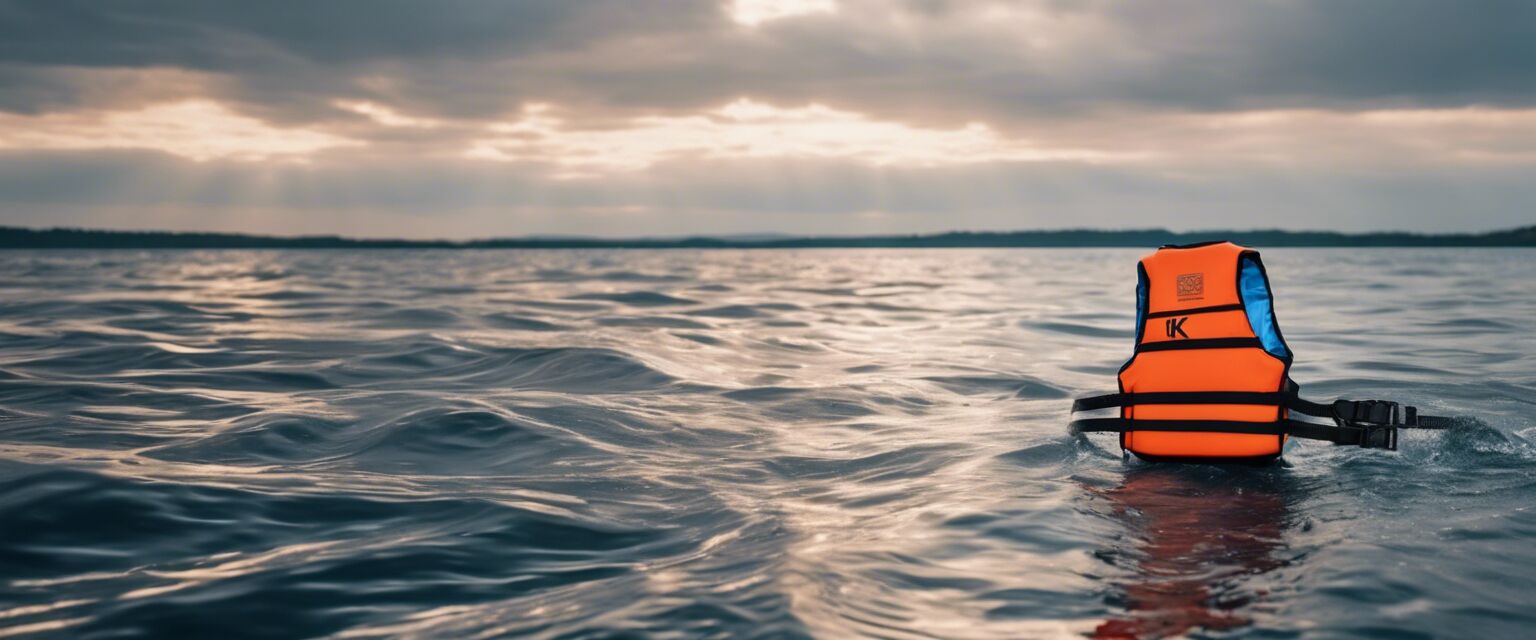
pixel 1210 376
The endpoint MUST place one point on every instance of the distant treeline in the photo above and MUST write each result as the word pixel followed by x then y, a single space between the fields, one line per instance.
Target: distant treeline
pixel 63 238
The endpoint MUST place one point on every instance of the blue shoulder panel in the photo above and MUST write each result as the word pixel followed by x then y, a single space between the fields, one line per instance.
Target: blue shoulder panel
pixel 1259 305
pixel 1141 301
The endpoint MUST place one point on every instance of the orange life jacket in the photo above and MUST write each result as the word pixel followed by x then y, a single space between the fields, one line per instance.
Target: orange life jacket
pixel 1197 334
pixel 1210 376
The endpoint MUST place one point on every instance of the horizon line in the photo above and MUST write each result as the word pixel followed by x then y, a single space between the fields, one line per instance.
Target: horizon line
pixel 19 237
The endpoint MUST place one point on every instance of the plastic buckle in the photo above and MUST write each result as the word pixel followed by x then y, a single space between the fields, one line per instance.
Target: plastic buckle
pixel 1377 421
pixel 1376 412
pixel 1374 436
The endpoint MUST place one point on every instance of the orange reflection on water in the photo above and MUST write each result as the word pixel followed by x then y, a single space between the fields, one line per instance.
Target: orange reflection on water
pixel 1200 539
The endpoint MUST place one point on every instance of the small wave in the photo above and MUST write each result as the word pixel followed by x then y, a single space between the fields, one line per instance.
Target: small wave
pixel 637 298
pixel 1019 387
pixel 260 380
pixel 1084 330
pixel 908 462
pixel 413 318
pixel 657 322
pixel 402 363
pixel 1475 324
pixel 518 323
pixel 461 441
pixel 764 394
pixel 285 295
pixel 635 276
pixel 1046 455
pixel 745 310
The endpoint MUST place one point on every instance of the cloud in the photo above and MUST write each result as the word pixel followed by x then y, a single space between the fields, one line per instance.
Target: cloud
pixel 747 129
pixel 755 12
pixel 385 115
pixel 939 61
pixel 796 115
pixel 199 130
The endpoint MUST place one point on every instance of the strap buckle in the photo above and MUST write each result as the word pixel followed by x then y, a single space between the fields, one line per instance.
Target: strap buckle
pixel 1377 421
pixel 1374 436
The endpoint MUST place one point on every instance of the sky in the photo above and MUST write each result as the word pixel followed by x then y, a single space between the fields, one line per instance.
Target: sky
pixel 477 118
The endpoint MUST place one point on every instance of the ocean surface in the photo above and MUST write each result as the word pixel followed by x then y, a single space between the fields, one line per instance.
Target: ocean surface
pixel 732 444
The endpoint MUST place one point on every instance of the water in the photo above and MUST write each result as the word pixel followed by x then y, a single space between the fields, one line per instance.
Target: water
pixel 830 443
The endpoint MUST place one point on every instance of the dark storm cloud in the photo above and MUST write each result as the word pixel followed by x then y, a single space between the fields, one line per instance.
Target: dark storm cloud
pixel 481 58
pixel 1417 51
pixel 241 35
pixel 307 52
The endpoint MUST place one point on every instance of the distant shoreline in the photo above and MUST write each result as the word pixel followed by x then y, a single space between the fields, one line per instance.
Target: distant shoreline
pixel 71 238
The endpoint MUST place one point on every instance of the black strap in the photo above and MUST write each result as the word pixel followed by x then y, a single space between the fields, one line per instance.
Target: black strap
pixel 1373 412
pixel 1121 425
pixel 1179 397
pixel 1367 411
pixel 1190 312
pixel 1438 422
pixel 1301 405
pixel 1381 437
pixel 1205 343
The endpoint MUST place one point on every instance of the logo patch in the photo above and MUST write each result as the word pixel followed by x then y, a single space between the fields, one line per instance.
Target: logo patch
pixel 1191 286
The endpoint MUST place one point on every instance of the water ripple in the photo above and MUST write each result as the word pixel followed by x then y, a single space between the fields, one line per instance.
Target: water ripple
pixel 730 444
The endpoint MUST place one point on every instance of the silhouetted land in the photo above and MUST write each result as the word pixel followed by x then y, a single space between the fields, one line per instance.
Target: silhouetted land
pixel 62 238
